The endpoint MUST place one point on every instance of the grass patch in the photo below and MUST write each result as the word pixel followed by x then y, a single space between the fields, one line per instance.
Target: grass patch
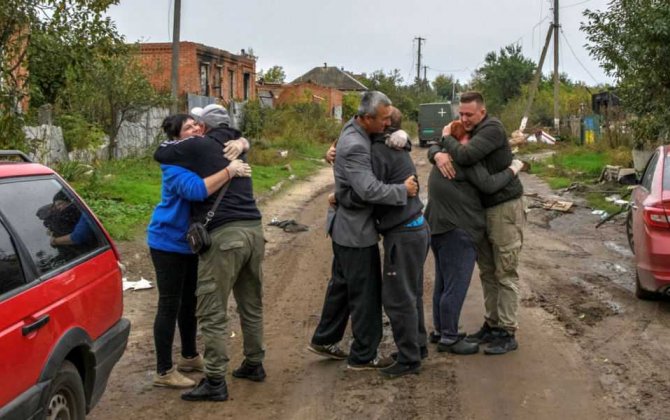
pixel 580 164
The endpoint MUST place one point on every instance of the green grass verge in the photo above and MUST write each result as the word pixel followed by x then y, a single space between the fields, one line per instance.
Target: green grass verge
pixel 578 164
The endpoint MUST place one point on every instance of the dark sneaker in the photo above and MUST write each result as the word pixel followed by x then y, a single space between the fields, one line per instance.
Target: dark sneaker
pixel 207 390
pixel 250 371
pixel 461 346
pixel 331 351
pixel 434 337
pixel 504 343
pixel 376 363
pixel 423 351
pixel 486 334
pixel 401 369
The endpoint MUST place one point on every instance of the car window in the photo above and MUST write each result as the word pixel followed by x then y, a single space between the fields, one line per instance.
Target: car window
pixel 49 221
pixel 11 274
pixel 649 172
pixel 666 173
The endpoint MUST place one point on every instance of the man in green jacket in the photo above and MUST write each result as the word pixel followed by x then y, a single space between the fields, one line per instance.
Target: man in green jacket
pixel 498 256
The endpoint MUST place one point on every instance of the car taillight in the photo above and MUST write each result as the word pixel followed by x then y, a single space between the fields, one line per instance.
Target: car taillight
pixel 656 215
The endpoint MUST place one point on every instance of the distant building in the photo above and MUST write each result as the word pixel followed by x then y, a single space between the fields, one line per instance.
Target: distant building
pixel 330 97
pixel 206 74
pixel 331 77
pixel 604 103
pixel 268 93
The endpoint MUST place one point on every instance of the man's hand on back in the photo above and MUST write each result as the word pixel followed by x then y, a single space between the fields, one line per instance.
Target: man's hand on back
pixel 412 186
pixel 446 130
pixel 443 163
pixel 330 154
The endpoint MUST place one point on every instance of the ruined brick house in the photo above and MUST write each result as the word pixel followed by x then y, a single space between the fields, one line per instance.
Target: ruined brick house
pixel 325 84
pixel 206 74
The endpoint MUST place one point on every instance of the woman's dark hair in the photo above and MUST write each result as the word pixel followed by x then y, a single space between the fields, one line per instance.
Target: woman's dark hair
pixel 172 125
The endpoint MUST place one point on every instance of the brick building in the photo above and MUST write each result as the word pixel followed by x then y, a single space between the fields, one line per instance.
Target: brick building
pixel 330 97
pixel 203 71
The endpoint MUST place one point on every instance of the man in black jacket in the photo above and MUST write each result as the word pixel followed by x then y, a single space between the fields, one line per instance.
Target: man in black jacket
pixel 505 218
pixel 233 261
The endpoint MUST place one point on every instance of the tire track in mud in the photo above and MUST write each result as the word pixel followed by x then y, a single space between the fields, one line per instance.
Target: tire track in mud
pixel 584 278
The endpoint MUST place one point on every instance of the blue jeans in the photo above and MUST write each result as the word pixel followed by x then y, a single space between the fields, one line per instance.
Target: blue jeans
pixel 455 255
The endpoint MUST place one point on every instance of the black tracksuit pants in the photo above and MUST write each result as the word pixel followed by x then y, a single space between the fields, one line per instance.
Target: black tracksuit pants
pixel 354 289
pixel 405 251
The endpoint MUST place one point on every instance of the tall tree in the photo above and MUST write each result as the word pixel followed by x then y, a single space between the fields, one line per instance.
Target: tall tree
pixel 110 90
pixel 274 74
pixel 78 21
pixel 445 86
pixel 631 40
pixel 502 75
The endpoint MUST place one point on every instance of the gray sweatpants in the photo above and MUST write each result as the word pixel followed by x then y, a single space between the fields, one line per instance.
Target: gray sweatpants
pixel 405 251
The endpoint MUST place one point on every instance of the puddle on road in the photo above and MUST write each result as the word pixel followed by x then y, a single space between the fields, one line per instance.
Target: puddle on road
pixel 619 249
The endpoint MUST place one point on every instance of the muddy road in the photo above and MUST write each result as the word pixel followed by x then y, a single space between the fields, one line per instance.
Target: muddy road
pixel 588 349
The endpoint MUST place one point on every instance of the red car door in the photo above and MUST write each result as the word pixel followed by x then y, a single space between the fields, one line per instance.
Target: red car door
pixel 76 285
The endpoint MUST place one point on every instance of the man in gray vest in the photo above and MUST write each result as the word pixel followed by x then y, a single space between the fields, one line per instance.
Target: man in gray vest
pixel 355 286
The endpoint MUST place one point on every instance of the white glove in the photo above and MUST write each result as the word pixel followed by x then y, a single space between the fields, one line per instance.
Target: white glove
pixel 516 166
pixel 234 148
pixel 398 140
pixel 239 168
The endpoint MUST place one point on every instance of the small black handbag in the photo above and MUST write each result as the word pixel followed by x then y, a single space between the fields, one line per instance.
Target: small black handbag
pixel 197 236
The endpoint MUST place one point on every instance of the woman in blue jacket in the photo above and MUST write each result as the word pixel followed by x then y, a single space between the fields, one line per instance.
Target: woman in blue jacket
pixel 176 266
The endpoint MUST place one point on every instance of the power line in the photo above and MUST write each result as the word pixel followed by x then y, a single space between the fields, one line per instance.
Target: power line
pixel 574 4
pixel 577 58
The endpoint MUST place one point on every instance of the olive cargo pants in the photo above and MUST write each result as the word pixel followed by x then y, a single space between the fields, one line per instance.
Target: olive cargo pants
pixel 498 261
pixel 233 263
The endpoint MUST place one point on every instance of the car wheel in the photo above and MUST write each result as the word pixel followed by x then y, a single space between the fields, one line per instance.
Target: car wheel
pixel 66 400
pixel 629 230
pixel 643 293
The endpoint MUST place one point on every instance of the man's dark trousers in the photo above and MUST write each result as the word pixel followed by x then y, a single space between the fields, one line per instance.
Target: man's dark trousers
pixel 354 289
pixel 405 251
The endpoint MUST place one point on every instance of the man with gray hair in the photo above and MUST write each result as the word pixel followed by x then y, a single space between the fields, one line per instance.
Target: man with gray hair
pixel 233 261
pixel 355 286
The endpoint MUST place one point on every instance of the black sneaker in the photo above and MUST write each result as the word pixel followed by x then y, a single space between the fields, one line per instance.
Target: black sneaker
pixel 250 371
pixel 504 343
pixel 401 369
pixel 207 390
pixel 423 351
pixel 434 337
pixel 376 363
pixel 486 334
pixel 331 351
pixel 460 346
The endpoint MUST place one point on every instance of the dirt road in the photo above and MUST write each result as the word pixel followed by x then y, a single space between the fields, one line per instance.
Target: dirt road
pixel 588 348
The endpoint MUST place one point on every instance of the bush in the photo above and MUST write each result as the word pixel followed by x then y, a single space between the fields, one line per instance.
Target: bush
pixel 79 133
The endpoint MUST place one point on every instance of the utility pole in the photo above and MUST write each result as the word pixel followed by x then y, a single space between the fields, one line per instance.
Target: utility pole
pixel 553 30
pixel 557 117
pixel 425 68
pixel 418 61
pixel 536 80
pixel 175 55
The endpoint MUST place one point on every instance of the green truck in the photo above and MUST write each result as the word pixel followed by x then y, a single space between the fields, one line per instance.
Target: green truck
pixel 432 117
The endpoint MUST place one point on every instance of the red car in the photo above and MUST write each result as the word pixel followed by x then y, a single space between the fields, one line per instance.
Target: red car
pixel 648 227
pixel 61 330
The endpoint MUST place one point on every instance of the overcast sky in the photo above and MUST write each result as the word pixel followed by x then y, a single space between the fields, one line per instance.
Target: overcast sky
pixel 368 35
